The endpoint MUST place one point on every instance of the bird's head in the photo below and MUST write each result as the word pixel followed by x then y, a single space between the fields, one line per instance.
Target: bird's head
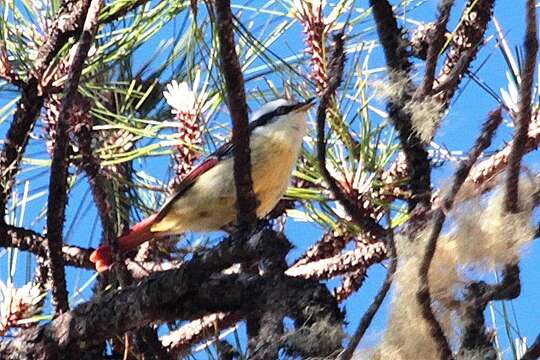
pixel 280 110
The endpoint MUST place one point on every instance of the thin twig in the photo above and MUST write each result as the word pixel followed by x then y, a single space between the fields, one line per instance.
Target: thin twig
pixel 376 304
pixel 524 112
pixel 58 186
pixel 234 83
pixel 423 296
pixel 336 69
pixel 28 240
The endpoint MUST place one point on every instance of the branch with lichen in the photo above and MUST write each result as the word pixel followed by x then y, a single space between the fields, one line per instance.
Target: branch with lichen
pixel 424 296
pixel 463 47
pixel 484 175
pixel 479 294
pixel 399 66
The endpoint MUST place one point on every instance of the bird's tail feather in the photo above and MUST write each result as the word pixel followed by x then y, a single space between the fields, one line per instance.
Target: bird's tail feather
pixel 138 234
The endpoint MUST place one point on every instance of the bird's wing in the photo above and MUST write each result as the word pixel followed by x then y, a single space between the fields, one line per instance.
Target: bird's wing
pixel 142 231
pixel 222 152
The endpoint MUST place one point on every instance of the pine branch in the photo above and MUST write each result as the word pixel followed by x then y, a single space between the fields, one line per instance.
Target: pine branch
pixel 68 22
pixel 465 44
pixel 399 66
pixel 436 42
pixel 362 257
pixel 167 296
pixel 336 66
pixel 209 326
pixel 58 181
pixel 524 113
pixel 331 244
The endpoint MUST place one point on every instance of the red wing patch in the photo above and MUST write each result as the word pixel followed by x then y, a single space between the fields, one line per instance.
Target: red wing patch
pixel 224 151
pixel 198 171
pixel 186 183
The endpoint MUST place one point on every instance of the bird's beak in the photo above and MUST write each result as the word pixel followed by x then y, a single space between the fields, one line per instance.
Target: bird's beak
pixel 304 106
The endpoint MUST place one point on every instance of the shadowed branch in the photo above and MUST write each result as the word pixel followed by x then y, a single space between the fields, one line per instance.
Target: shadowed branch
pixel 58 180
pixel 234 83
pixel 399 66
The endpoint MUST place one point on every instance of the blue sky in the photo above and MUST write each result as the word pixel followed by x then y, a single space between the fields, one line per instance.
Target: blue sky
pixel 458 132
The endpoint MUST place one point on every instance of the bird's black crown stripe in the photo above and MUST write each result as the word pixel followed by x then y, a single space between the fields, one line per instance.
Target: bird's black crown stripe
pixel 279 111
pixel 266 118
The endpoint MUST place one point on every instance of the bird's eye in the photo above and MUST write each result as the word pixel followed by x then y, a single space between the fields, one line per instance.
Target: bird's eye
pixel 280 110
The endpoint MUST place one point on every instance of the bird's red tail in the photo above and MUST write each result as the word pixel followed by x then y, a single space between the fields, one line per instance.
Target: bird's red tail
pixel 138 234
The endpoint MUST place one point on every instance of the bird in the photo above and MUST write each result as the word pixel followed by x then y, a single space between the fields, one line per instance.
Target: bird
pixel 205 199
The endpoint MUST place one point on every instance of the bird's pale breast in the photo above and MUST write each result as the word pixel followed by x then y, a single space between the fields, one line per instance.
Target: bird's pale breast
pixel 210 203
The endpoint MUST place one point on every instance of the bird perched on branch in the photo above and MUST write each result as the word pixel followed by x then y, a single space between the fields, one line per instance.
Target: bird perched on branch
pixel 205 199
